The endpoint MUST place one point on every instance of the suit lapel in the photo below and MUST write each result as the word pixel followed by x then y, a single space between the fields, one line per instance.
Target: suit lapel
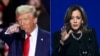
pixel 39 44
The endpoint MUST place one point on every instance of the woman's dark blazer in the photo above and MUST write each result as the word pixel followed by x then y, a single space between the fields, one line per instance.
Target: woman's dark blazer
pixel 87 45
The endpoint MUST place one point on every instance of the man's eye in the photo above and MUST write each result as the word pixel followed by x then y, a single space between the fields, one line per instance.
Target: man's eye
pixel 25 19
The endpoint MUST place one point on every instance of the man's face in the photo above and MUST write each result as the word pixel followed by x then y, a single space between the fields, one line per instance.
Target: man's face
pixel 27 22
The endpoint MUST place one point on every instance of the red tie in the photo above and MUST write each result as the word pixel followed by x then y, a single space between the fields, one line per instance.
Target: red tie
pixel 27 45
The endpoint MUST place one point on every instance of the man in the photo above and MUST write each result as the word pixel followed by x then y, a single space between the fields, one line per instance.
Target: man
pixel 36 41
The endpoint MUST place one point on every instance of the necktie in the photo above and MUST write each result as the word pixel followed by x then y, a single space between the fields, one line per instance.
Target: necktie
pixel 26 45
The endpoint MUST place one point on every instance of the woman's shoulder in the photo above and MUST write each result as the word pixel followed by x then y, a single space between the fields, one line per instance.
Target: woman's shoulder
pixel 90 31
pixel 56 36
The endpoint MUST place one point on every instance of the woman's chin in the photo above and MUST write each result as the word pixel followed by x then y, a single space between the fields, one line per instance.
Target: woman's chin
pixel 75 29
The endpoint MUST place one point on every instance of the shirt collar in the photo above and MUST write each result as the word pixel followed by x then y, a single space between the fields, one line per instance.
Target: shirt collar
pixel 35 31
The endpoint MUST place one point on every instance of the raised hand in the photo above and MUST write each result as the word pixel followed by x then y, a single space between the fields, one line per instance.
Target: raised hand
pixel 13 28
pixel 64 34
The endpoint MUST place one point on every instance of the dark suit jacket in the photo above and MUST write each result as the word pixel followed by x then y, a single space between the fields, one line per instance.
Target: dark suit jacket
pixel 16 40
pixel 72 47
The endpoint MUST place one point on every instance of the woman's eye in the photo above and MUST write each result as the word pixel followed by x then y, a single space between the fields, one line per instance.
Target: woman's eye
pixel 72 18
pixel 78 17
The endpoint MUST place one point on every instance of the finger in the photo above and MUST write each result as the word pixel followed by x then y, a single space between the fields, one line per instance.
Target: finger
pixel 63 29
pixel 17 25
pixel 12 29
pixel 17 30
pixel 70 31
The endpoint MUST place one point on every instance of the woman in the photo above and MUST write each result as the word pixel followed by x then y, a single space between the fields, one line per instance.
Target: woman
pixel 75 38
pixel 43 16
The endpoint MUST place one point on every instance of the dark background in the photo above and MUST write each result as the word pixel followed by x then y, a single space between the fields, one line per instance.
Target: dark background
pixel 46 3
pixel 91 7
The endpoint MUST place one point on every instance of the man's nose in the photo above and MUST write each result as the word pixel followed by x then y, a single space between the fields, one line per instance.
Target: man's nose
pixel 22 23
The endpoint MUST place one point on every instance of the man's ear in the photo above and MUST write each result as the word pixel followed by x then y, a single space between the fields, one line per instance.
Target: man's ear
pixel 35 20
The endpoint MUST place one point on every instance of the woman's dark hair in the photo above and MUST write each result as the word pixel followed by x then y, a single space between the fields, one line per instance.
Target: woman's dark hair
pixel 68 16
pixel 41 8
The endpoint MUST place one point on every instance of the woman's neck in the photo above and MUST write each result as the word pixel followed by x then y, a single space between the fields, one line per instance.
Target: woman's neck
pixel 77 31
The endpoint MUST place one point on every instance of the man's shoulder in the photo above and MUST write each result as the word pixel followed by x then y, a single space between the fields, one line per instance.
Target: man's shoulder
pixel 45 35
pixel 43 32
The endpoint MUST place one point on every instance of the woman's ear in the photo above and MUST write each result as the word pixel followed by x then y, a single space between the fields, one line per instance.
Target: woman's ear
pixel 82 22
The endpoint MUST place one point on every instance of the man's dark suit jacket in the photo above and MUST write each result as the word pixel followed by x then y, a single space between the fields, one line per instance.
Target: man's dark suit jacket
pixel 16 40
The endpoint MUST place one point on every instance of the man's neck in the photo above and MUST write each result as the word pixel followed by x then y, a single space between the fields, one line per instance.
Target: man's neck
pixel 32 29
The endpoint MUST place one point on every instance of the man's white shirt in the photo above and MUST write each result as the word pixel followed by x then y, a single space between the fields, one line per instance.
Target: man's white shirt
pixel 33 41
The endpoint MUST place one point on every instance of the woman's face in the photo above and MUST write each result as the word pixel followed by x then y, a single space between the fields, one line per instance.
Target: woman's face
pixel 6 2
pixel 36 3
pixel 76 20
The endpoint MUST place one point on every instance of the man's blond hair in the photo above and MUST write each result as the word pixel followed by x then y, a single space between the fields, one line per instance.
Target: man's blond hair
pixel 22 9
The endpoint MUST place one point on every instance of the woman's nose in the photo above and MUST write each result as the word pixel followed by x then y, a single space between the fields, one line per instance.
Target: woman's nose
pixel 75 20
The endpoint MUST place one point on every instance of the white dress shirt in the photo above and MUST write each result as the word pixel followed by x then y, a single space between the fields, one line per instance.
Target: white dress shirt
pixel 33 41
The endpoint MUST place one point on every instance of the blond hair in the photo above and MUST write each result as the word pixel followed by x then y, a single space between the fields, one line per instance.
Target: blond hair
pixel 23 9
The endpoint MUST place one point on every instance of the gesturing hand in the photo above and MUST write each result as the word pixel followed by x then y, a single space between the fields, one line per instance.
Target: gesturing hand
pixel 64 34
pixel 13 28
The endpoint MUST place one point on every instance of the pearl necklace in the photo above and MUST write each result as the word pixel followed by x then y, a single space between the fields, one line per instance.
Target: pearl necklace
pixel 78 37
